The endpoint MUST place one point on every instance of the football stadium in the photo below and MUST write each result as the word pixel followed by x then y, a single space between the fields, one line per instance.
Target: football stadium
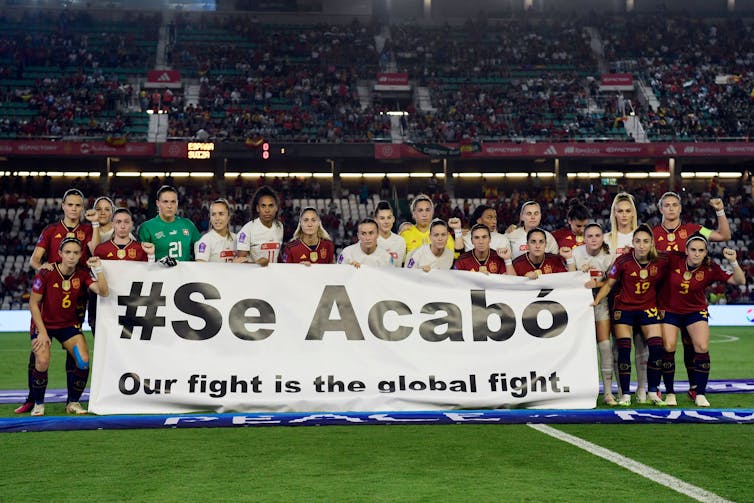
pixel 376 250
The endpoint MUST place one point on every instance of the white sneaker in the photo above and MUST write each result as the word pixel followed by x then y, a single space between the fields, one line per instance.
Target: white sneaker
pixel 670 400
pixel 38 410
pixel 609 399
pixel 701 401
pixel 624 401
pixel 75 408
pixel 654 398
pixel 641 396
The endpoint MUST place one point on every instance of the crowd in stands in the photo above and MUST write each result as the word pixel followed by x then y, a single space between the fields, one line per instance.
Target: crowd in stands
pixel 67 74
pixel 25 215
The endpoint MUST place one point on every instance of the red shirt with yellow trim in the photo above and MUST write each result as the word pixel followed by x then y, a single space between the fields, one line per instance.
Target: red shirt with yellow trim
pixel 566 237
pixel 684 289
pixel 61 296
pixel 551 264
pixel 638 284
pixel 131 251
pixel 468 262
pixel 54 234
pixel 674 239
pixel 296 251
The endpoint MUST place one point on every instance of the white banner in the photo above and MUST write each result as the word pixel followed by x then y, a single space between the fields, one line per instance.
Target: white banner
pixel 237 337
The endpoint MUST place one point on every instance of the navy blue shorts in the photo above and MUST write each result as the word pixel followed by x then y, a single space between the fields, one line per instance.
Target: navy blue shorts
pixel 61 334
pixel 684 320
pixel 637 318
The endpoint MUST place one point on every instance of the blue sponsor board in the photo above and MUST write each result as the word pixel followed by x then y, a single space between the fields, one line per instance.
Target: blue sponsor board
pixel 491 417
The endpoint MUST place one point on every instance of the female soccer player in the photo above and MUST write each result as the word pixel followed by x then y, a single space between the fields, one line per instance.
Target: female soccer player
pixel 54 298
pixel 218 244
pixel 389 240
pixel 623 222
pixel 595 258
pixel 47 252
pixel 311 244
pixel 682 299
pixel 482 258
pixel 530 218
pixel 260 239
pixel 640 273
pixel 122 245
pixel 422 211
pixel 536 261
pixel 671 235
pixel 577 217
pixel 486 215
pixel 433 255
pixel 103 205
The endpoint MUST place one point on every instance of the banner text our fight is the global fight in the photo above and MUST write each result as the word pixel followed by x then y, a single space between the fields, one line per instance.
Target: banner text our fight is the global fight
pixel 238 337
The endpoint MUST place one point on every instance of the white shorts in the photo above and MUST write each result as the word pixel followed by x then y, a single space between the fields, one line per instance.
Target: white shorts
pixel 601 311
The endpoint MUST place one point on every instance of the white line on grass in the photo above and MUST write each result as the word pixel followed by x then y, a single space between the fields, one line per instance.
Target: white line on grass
pixel 728 338
pixel 663 478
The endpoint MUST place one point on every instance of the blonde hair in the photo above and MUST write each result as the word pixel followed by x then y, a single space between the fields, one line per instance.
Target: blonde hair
pixel 620 197
pixel 321 232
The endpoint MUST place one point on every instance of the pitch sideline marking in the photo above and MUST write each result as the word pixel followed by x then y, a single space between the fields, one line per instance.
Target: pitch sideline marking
pixel 726 338
pixel 648 472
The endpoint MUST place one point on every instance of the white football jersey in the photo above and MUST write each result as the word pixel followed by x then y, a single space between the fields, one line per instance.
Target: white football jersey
pixel 517 240
pixel 423 257
pixel 261 241
pixel 396 245
pixel 212 247
pixel 354 254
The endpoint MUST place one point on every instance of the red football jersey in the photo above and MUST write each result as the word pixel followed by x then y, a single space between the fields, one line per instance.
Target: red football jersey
pixel 683 291
pixel 61 296
pixel 637 284
pixel 53 234
pixel 566 237
pixel 468 262
pixel 551 264
pixel 295 252
pixel 675 239
pixel 110 251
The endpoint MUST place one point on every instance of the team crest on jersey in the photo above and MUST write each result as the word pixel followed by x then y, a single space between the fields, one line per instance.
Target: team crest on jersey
pixel 493 267
pixel 185 232
pixel 523 248
pixel 76 283
pixel 323 253
pixel 547 269
pixel 683 233
pixel 132 253
pixel 159 235
pixel 202 247
pixel 699 276
pixel 653 270
pixel 616 315
pixel 80 235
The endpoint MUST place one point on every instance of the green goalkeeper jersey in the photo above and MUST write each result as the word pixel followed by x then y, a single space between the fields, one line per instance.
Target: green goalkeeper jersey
pixel 175 239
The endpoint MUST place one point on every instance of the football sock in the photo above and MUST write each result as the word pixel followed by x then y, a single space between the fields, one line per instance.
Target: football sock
pixel 606 364
pixel 668 371
pixel 654 362
pixel 701 370
pixel 624 364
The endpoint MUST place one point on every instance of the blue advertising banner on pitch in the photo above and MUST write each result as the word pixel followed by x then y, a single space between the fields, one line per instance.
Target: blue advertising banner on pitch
pixel 291 338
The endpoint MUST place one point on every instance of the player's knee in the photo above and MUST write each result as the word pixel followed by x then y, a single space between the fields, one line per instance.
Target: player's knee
pixel 81 357
pixel 42 361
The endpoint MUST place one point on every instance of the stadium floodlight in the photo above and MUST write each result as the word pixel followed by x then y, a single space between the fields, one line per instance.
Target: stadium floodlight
pixel 201 174
pixel 730 174
pixel 469 175
pixel 660 174
pixel 420 175
pixel 637 175
pixel 516 175
pixel 181 174
pixel 398 175
pixel 302 174
pixel 136 174
pixel 611 174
